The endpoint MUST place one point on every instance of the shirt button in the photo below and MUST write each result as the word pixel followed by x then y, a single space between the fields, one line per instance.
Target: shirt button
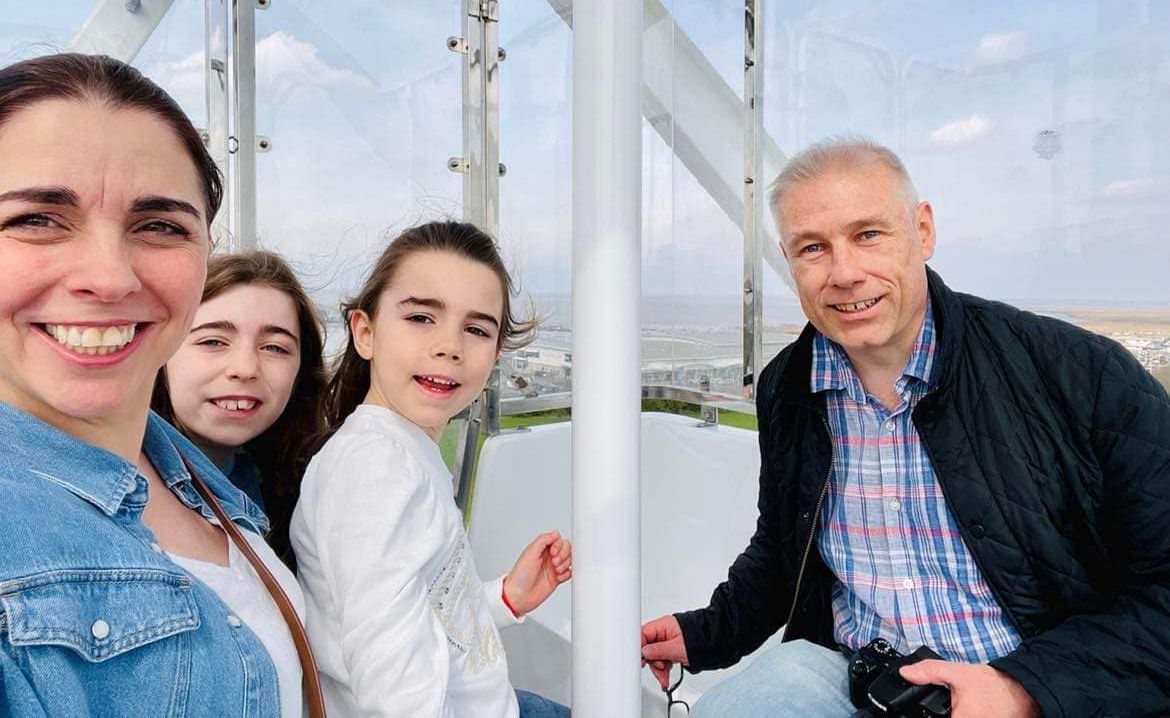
pixel 888 426
pixel 156 548
pixel 895 505
pixel 100 629
pixel 234 621
pixel 907 583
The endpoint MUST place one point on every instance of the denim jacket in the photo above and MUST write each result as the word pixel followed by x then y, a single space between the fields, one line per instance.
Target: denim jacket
pixel 94 618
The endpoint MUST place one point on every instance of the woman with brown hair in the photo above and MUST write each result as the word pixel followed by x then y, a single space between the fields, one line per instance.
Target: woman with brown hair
pixel 246 383
pixel 111 521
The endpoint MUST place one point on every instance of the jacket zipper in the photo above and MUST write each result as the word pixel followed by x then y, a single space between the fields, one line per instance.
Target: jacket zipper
pixel 816 518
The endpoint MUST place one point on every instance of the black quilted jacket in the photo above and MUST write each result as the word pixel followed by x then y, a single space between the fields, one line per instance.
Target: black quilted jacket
pixel 1052 447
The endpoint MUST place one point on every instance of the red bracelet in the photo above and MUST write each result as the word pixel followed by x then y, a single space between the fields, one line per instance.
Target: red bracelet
pixel 504 595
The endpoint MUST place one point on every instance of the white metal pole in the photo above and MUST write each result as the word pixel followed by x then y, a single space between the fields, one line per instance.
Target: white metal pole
pixel 607 180
pixel 242 86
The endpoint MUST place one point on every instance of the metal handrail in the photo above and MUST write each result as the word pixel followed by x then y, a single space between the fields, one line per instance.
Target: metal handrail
pixel 488 421
pixel 515 406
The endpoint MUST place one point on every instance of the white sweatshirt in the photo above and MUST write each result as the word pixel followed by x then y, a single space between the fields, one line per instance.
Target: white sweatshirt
pixel 398 618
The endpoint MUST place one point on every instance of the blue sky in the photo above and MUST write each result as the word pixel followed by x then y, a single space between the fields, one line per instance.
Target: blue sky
pixel 1040 131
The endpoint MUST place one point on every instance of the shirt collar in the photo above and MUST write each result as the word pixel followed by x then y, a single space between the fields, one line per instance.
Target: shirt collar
pixel 44 451
pixel 101 477
pixel 426 446
pixel 832 370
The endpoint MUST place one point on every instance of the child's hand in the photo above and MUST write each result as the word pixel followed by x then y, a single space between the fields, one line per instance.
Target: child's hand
pixel 546 563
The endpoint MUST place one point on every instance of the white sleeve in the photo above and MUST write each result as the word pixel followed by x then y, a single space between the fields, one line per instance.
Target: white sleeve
pixel 493 596
pixel 376 529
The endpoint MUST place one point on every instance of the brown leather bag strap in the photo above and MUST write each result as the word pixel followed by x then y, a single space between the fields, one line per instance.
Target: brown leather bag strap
pixel 310 681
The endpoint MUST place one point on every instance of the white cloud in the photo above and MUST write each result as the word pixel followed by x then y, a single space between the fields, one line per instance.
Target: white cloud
pixel 1001 47
pixel 1136 188
pixel 961 132
pixel 183 80
pixel 284 65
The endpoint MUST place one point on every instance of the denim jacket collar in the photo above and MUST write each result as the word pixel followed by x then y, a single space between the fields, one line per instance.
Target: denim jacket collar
pixel 104 479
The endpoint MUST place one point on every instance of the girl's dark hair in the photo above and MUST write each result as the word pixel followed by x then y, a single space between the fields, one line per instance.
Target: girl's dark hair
pixel 283 450
pixel 350 379
pixel 104 80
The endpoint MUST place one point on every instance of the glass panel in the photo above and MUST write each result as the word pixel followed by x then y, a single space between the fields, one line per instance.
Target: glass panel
pixel 692 265
pixel 29 29
pixel 1037 131
pixel 172 55
pixel 536 221
pixel 362 102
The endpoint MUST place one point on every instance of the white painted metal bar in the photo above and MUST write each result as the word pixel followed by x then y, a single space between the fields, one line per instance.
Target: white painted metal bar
pixel 242 91
pixel 481 114
pixel 607 177
pixel 754 189
pixel 119 28
pixel 217 23
pixel 480 165
pixel 231 111
pixel 705 131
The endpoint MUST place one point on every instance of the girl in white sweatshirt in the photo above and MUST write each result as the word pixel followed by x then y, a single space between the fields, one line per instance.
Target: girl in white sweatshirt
pixel 398 617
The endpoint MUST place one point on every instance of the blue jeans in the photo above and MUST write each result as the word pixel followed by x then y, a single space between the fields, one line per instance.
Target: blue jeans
pixel 534 706
pixel 798 679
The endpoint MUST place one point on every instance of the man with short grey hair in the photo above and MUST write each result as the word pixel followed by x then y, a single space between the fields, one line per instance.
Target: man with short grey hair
pixel 937 470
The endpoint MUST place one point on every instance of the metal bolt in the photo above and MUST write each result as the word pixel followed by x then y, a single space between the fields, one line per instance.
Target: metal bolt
pixel 263 144
pixel 457 44
pixel 457 164
pixel 133 6
pixel 263 4
pixel 501 54
pixel 503 169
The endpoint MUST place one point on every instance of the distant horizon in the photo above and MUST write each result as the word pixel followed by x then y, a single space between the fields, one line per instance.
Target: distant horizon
pixel 792 302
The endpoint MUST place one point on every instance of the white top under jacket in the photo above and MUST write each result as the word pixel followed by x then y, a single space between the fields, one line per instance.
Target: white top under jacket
pixel 400 623
pixel 241 588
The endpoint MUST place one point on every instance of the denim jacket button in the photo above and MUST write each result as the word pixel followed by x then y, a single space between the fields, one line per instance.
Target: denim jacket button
pixel 155 547
pixel 234 621
pixel 100 629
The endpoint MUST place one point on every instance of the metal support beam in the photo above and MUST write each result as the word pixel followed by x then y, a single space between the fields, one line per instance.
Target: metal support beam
pixel 216 15
pixel 481 168
pixel 607 222
pixel 481 114
pixel 754 187
pixel 119 28
pixel 697 114
pixel 231 107
pixel 242 87
pixel 483 416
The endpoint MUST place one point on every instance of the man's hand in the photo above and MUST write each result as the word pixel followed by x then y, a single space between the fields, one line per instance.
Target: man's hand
pixel 546 563
pixel 662 647
pixel 976 690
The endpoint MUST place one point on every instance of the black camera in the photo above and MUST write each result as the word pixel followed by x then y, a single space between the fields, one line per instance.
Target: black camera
pixel 877 689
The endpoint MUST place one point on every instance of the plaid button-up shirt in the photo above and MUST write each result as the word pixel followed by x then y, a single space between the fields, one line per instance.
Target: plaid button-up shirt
pixel 903 571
